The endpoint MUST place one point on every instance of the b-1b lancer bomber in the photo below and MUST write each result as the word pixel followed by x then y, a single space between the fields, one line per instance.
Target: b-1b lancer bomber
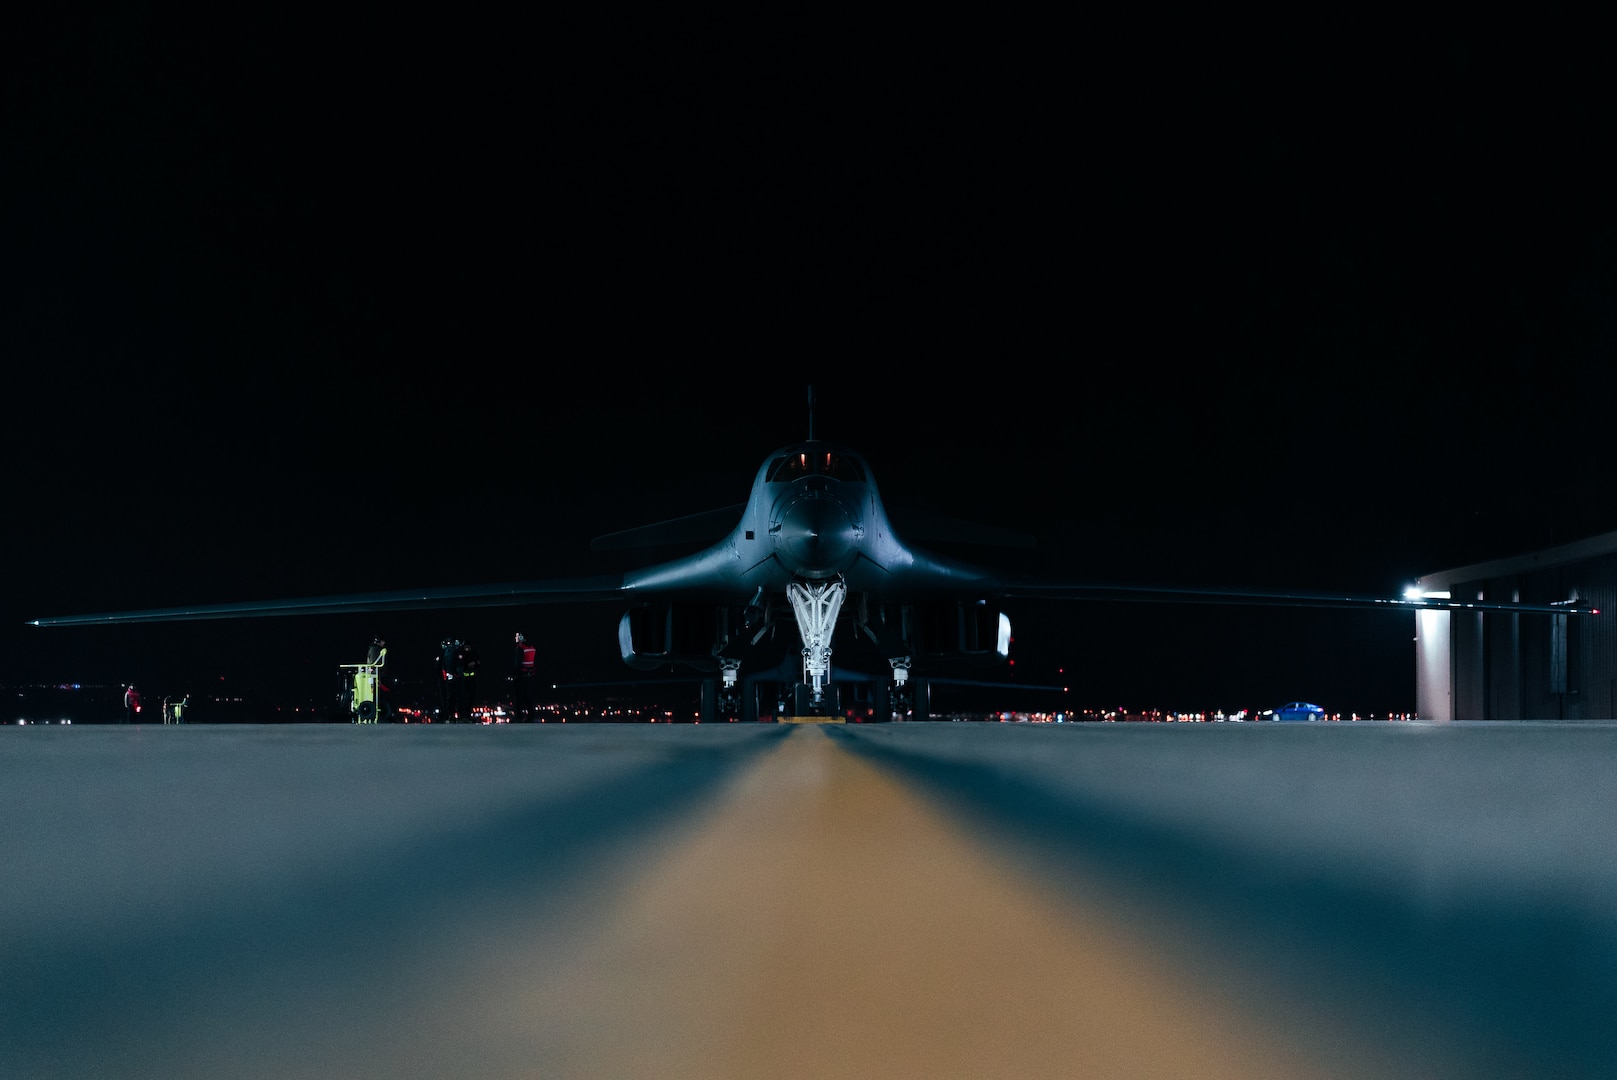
pixel 754 614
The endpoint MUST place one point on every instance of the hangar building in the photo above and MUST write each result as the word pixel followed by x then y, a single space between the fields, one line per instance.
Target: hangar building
pixel 1474 665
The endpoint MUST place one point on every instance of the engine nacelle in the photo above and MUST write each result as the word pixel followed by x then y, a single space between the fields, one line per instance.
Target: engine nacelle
pixel 657 635
pixel 966 630
pixel 963 631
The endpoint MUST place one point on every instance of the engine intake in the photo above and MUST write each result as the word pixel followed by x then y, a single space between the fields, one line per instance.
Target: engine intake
pixel 963 631
pixel 658 635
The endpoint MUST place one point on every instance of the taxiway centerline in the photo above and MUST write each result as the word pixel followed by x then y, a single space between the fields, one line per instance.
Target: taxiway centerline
pixel 824 922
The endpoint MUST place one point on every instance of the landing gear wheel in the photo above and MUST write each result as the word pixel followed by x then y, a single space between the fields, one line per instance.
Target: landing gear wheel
pixel 922 701
pixel 719 703
pixel 903 701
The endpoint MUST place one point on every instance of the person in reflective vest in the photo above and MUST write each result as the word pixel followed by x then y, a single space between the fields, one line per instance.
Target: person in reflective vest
pixel 448 673
pixel 466 664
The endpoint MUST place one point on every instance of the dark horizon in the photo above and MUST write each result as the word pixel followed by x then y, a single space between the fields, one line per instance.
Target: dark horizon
pixel 293 318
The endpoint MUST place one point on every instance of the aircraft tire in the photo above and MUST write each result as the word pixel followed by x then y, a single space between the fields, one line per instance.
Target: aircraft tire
pixel 883 712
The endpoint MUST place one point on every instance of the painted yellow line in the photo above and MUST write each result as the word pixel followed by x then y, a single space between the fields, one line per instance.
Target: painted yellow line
pixel 825 922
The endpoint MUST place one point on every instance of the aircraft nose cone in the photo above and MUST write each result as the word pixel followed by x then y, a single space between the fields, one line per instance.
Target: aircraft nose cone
pixel 817 538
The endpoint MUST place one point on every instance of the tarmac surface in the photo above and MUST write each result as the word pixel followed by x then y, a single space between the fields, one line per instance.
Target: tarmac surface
pixel 908 900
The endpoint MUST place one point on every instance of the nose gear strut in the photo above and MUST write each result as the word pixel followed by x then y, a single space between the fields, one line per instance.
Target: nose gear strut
pixel 816 605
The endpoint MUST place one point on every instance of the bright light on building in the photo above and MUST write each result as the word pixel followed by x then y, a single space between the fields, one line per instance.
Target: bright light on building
pixel 1415 592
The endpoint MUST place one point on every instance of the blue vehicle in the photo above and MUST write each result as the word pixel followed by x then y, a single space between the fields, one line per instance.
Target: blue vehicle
pixel 1297 710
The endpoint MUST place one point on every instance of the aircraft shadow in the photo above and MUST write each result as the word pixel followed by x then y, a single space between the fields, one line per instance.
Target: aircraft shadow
pixel 1484 986
pixel 130 999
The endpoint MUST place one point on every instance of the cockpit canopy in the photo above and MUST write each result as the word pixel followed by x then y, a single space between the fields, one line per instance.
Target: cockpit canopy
pixel 801 463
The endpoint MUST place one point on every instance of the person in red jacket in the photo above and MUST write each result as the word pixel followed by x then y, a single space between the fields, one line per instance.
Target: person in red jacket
pixel 521 678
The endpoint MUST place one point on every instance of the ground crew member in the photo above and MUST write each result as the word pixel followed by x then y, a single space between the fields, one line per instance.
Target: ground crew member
pixel 466 663
pixel 448 671
pixel 522 665
pixel 131 703
pixel 179 709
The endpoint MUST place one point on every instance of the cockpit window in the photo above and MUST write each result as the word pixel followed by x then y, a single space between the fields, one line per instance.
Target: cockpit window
pixel 819 463
pixel 841 467
pixel 786 469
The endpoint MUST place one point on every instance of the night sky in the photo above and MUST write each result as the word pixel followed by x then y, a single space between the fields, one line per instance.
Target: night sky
pixel 293 308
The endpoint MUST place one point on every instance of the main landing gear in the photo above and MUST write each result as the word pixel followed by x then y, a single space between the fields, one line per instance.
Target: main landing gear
pixel 810 693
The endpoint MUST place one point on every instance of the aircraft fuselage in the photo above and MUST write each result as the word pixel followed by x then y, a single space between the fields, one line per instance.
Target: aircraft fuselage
pixel 815 514
pixel 814 544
